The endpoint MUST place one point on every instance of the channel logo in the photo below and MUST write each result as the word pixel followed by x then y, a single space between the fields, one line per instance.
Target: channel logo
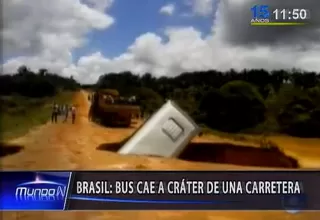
pixel 29 190
pixel 294 203
pixel 40 190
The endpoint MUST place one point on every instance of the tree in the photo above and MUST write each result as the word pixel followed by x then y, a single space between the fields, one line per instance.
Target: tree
pixel 235 106
pixel 27 83
pixel 148 99
pixel 23 70
pixel 230 101
pixel 42 72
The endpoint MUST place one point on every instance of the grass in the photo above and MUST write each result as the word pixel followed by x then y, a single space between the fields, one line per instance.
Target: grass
pixel 19 114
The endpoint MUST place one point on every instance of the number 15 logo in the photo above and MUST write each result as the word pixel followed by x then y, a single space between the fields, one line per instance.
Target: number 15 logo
pixel 260 11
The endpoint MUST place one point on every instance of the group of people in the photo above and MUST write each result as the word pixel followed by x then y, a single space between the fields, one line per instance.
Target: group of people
pixel 63 110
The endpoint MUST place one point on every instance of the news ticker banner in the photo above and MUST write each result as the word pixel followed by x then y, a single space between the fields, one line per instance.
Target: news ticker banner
pixel 161 190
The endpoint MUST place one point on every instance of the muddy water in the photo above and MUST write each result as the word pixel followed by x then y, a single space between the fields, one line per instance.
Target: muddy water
pixel 83 146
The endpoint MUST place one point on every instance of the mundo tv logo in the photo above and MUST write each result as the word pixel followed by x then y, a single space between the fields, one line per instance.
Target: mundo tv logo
pixel 40 190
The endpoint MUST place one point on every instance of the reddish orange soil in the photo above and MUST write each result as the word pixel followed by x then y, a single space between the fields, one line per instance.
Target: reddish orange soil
pixel 85 145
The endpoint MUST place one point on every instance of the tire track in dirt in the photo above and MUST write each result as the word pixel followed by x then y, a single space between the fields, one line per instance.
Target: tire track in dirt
pixel 68 146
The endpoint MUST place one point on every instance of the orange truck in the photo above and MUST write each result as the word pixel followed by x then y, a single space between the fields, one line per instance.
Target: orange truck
pixel 109 108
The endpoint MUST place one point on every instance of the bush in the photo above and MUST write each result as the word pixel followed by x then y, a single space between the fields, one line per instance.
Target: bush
pixel 300 117
pixel 235 106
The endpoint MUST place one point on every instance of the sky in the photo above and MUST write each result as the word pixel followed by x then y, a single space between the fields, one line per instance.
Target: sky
pixel 87 38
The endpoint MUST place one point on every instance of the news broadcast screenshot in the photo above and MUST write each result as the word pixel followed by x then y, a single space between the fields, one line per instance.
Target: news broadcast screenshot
pixel 183 110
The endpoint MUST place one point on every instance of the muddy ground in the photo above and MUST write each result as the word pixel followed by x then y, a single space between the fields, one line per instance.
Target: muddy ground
pixel 85 145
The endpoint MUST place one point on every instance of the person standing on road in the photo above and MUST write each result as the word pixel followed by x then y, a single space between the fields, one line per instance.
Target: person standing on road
pixel 73 112
pixel 66 113
pixel 54 115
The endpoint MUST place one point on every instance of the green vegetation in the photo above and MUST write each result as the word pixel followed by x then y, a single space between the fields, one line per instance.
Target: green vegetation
pixel 251 101
pixel 19 114
pixel 26 99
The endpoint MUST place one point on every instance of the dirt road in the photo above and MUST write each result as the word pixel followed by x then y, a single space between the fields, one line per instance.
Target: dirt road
pixel 82 146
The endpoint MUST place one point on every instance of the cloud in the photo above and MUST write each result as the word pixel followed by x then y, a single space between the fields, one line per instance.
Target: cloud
pixel 201 7
pixel 100 5
pixel 47 31
pixel 167 9
pixel 231 44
